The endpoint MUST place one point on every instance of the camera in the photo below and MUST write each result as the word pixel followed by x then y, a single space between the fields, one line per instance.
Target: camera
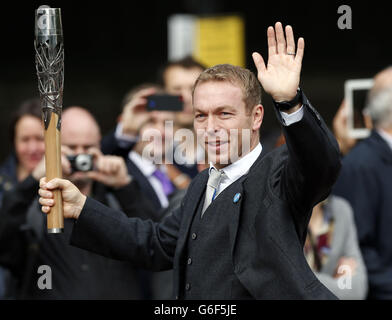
pixel 81 162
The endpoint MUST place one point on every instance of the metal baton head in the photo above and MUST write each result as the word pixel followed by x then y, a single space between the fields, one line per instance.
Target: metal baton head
pixel 49 59
pixel 48 25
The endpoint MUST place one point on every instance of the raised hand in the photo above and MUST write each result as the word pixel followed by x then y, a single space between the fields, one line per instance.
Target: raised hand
pixel 280 78
pixel 135 114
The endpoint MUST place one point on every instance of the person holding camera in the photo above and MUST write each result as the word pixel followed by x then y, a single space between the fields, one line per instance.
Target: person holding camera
pixel 25 244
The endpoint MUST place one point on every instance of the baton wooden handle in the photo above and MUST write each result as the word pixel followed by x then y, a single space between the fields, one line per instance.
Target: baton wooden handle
pixel 55 219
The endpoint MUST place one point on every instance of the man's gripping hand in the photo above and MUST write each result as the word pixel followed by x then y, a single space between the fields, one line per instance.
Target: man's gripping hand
pixel 73 199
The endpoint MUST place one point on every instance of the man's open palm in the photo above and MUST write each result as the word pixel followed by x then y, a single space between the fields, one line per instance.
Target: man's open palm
pixel 280 78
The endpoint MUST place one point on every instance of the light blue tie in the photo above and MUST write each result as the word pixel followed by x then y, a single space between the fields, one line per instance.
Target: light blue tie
pixel 212 187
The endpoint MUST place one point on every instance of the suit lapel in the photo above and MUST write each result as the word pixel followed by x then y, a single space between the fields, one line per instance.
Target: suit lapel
pixel 234 210
pixel 234 206
pixel 190 208
pixel 194 194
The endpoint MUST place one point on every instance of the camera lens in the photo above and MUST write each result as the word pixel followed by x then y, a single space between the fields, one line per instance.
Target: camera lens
pixel 83 162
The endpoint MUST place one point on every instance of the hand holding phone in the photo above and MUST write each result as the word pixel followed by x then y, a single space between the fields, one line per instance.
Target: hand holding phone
pixel 135 113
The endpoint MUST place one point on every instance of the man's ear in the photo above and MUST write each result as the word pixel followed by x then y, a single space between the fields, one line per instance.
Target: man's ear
pixel 257 117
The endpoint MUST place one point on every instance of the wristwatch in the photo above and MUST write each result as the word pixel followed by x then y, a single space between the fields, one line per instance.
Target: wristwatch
pixel 286 105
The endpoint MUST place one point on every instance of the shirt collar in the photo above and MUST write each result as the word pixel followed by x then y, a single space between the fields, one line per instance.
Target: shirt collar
pixel 240 167
pixel 146 166
pixel 386 136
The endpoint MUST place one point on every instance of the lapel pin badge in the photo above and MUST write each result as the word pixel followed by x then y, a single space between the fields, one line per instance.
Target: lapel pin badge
pixel 237 197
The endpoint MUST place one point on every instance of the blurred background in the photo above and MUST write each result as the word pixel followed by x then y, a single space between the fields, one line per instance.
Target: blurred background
pixel 112 46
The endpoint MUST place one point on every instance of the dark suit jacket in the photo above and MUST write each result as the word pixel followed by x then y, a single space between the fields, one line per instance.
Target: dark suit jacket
pixel 268 226
pixel 366 182
pixel 144 184
pixel 161 282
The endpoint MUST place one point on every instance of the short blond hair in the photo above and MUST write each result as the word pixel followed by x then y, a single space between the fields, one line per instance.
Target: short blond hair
pixel 244 78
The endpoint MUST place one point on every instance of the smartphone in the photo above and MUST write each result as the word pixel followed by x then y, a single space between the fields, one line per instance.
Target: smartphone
pixel 164 102
pixel 355 95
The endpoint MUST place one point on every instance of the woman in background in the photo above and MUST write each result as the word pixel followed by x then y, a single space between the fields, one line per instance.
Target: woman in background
pixel 27 139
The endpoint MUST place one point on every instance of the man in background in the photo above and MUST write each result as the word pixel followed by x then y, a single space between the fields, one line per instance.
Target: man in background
pixel 175 78
pixel 366 182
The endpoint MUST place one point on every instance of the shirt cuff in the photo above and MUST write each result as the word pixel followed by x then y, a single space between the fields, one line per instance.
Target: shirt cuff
pixel 292 117
pixel 124 138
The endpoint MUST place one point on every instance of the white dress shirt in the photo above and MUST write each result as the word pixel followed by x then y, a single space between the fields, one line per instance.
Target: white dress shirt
pixel 147 167
pixel 237 169
pixel 124 140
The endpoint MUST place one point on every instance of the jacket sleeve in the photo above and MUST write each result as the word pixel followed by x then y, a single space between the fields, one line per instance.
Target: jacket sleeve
pixel 142 208
pixel 13 215
pixel 111 233
pixel 312 166
pixel 111 145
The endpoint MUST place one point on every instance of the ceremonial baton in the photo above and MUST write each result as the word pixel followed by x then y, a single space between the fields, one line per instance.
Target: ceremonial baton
pixel 49 61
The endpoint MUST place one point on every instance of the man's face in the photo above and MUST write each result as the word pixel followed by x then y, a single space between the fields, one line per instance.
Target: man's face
pixel 79 136
pixel 153 135
pixel 29 142
pixel 222 122
pixel 180 81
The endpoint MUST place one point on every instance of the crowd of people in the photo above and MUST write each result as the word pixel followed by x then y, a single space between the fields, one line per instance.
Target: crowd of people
pixel 348 243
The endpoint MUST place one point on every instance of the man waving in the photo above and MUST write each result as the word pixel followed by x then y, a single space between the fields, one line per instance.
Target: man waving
pixel 240 230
